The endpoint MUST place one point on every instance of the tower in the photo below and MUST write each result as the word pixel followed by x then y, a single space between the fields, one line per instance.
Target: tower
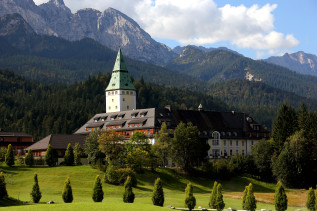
pixel 120 93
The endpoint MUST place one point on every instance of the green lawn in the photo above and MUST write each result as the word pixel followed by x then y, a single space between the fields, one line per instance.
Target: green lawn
pixel 20 180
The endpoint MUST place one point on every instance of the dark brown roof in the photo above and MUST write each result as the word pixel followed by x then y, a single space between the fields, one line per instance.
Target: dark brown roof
pixel 14 134
pixel 57 141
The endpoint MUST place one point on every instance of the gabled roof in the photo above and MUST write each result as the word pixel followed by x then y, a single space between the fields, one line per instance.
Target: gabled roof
pixel 120 78
pixel 14 134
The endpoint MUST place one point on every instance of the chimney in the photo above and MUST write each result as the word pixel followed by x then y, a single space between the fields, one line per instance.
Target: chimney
pixel 200 107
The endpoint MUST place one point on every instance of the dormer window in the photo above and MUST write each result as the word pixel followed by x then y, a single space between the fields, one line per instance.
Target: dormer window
pixel 120 116
pixel 96 119
pixel 113 117
pixel 143 114
pixel 134 114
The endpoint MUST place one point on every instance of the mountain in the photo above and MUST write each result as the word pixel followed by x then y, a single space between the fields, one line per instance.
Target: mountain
pixel 219 66
pixel 111 28
pixel 178 49
pixel 300 62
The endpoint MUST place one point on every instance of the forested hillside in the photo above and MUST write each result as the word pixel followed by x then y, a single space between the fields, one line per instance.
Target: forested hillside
pixel 41 109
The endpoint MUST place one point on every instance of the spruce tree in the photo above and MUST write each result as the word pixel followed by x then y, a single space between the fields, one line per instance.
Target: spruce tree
pixel 220 204
pixel 280 197
pixel 3 189
pixel 213 196
pixel 78 151
pixel 36 193
pixel 9 157
pixel 67 193
pixel 29 160
pixel 250 202
pixel 97 195
pixel 311 200
pixel 69 156
pixel 245 193
pixel 158 194
pixel 128 196
pixel 190 200
pixel 49 156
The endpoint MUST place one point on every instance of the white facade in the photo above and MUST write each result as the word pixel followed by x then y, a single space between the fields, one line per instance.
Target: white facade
pixel 120 100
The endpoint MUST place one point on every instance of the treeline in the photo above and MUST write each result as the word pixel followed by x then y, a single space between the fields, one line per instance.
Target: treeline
pixel 41 109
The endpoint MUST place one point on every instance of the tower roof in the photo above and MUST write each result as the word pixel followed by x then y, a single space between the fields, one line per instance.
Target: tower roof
pixel 120 78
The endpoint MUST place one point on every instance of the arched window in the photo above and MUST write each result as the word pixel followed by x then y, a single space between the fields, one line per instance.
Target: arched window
pixel 215 138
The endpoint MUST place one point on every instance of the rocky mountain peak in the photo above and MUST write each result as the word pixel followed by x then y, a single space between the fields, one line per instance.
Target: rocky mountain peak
pixel 58 3
pixel 14 24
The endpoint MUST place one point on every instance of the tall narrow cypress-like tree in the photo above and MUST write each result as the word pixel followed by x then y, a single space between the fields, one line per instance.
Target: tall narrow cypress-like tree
pixel 245 193
pixel 67 193
pixel 220 204
pixel 311 200
pixel 190 200
pixel 78 152
pixel 280 197
pixel 49 156
pixel 29 160
pixel 213 196
pixel 69 156
pixel 250 202
pixel 128 196
pixel 9 157
pixel 158 194
pixel 97 195
pixel 3 189
pixel 36 193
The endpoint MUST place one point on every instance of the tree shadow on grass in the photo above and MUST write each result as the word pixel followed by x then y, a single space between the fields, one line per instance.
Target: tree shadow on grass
pixel 9 201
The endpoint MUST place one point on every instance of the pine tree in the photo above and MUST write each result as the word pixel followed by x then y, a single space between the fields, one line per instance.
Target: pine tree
pixel 190 200
pixel 158 194
pixel 220 204
pixel 3 189
pixel 78 152
pixel 128 196
pixel 280 197
pixel 29 160
pixel 9 157
pixel 97 195
pixel 245 193
pixel 67 193
pixel 69 156
pixel 36 193
pixel 250 202
pixel 49 156
pixel 213 196
pixel 311 200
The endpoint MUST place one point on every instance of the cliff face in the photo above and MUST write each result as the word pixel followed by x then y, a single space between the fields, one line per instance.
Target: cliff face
pixel 111 28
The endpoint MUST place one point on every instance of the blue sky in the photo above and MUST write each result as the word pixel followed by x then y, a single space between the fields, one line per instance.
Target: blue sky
pixel 255 28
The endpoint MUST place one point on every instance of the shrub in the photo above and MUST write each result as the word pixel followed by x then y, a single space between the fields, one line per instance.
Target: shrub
pixel 213 196
pixel 97 195
pixel 111 175
pixel 29 160
pixel 118 176
pixel 250 202
pixel 20 159
pixel 280 197
pixel 49 156
pixel 158 194
pixel 220 169
pixel 67 193
pixel 190 200
pixel 3 152
pixel 128 196
pixel 9 157
pixel 36 193
pixel 311 200
pixel 69 156
pixel 220 204
pixel 3 189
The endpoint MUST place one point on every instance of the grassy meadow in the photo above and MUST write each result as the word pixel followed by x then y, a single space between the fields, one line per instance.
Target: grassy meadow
pixel 51 180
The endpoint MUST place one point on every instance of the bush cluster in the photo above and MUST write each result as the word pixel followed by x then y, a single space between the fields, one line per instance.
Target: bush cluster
pixel 117 176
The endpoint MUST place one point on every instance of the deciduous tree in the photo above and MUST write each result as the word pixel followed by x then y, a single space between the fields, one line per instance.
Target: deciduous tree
pixel 162 145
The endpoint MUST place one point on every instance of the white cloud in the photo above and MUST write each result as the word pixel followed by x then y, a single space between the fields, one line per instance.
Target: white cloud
pixel 201 22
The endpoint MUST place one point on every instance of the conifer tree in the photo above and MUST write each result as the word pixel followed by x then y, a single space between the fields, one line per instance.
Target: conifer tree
pixel 190 200
pixel 36 193
pixel 49 156
pixel 29 160
pixel 280 197
pixel 245 193
pixel 9 157
pixel 213 196
pixel 78 152
pixel 3 189
pixel 220 204
pixel 158 194
pixel 311 200
pixel 250 202
pixel 67 193
pixel 97 195
pixel 128 196
pixel 69 156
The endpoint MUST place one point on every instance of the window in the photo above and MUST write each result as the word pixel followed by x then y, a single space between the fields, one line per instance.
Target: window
pixel 243 152
pixel 224 152
pixel 237 152
pixel 123 99
pixel 224 143
pixel 230 151
pixel 112 92
pixel 237 143
pixel 131 93
pixel 116 92
pixel 231 143
pixel 112 100
pixel 109 107
pixel 216 138
pixel 243 143
pixel 127 107
pixel 252 143
pixel 116 107
pixel 148 132
pixel 123 92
